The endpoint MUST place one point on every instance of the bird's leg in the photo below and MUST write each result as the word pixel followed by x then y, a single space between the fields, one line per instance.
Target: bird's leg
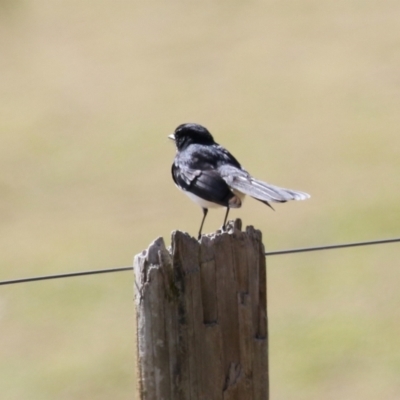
pixel 205 211
pixel 226 217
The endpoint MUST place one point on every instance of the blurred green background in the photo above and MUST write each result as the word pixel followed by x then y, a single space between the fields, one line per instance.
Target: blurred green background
pixel 306 95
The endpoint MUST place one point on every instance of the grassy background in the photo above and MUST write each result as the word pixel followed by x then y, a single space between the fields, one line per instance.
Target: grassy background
pixel 306 94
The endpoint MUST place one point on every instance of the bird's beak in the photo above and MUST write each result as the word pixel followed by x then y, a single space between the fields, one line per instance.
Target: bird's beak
pixel 172 136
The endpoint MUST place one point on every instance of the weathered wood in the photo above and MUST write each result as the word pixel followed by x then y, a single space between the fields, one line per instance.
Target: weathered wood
pixel 201 317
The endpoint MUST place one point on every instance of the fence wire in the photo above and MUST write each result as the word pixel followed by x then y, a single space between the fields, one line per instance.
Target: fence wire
pixel 268 253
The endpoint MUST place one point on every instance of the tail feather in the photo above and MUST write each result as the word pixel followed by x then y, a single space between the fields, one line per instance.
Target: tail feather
pixel 264 191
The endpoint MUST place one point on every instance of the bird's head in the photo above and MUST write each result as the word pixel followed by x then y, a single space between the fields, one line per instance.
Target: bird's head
pixel 191 133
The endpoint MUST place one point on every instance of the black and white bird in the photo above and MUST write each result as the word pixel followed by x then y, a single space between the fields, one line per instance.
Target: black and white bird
pixel 212 177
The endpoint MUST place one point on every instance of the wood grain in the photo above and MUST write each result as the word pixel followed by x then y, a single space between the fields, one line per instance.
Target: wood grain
pixel 202 317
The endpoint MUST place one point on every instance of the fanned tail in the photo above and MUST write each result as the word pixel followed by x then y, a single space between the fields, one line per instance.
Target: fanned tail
pixel 264 191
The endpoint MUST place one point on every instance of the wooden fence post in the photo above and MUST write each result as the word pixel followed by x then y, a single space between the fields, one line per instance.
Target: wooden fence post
pixel 202 318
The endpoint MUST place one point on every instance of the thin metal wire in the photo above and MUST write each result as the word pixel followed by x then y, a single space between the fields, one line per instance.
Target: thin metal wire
pixel 331 247
pixel 269 253
pixel 67 275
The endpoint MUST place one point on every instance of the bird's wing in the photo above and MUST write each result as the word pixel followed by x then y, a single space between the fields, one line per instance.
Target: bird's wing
pixel 242 181
pixel 206 184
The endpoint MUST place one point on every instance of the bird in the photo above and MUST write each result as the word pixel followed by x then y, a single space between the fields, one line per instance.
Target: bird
pixel 212 177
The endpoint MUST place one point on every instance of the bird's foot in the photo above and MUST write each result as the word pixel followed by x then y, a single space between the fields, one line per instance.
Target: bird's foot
pixel 232 225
